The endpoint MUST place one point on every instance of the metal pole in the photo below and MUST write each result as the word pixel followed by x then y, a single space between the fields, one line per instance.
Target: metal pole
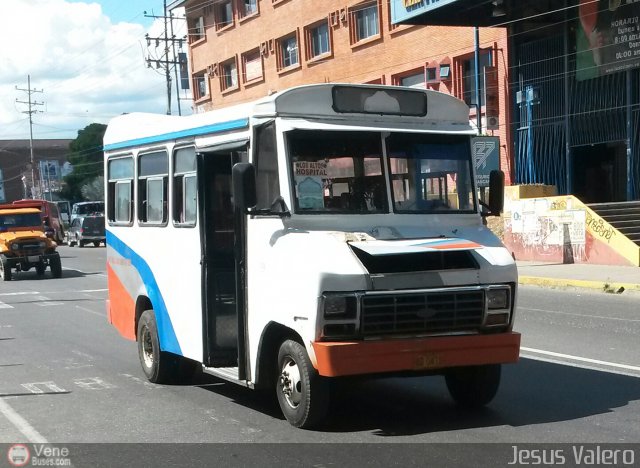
pixel 166 54
pixel 175 67
pixel 33 164
pixel 567 107
pixel 477 72
pixel 630 194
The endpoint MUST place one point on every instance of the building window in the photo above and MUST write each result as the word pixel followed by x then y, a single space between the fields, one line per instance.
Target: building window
pixel 445 71
pixel 200 85
pixel 153 172
pixel 247 8
pixel 229 76
pixel 364 21
pixel 288 52
pixel 252 66
pixel 223 14
pixel 318 40
pixel 414 80
pixel 196 28
pixel 469 78
pixel 432 74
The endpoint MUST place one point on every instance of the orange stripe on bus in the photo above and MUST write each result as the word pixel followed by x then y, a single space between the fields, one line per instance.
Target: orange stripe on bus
pixel 458 245
pixel 334 359
pixel 121 306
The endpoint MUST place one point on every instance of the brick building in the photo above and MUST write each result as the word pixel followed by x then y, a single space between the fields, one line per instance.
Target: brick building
pixel 241 50
pixel 49 156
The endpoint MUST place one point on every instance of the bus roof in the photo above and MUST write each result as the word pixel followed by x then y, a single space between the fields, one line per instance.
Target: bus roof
pixel 309 101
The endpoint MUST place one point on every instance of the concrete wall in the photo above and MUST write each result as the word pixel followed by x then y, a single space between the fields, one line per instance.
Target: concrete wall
pixel 561 228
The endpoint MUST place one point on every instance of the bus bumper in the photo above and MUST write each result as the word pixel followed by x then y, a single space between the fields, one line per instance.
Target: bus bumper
pixel 335 359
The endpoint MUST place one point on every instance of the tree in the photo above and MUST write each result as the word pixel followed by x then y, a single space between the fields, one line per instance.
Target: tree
pixel 94 190
pixel 87 158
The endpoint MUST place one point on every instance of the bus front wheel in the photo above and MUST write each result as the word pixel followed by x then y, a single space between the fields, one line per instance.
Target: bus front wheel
pixel 473 386
pixel 303 395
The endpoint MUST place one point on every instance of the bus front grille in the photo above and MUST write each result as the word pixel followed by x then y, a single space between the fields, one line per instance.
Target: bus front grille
pixel 422 312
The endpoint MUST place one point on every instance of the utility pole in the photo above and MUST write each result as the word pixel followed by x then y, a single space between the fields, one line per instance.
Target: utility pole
pixel 31 111
pixel 165 61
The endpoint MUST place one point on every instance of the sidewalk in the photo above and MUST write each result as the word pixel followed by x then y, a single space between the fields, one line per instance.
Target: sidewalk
pixel 607 278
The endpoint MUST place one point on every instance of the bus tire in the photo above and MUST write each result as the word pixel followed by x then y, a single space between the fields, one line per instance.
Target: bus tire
pixel 303 395
pixel 40 268
pixel 56 265
pixel 5 268
pixel 473 386
pixel 159 366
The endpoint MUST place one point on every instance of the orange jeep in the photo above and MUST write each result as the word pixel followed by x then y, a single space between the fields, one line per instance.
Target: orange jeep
pixel 23 243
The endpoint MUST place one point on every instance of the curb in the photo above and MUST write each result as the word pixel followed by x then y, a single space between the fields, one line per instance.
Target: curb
pixel 605 286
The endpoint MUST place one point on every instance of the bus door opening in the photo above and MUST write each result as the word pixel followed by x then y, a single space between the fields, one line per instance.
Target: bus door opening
pixel 223 323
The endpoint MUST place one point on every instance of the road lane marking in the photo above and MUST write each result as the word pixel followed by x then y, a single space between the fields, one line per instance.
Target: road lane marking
pixel 615 365
pixel 5 306
pixel 46 302
pixel 33 387
pixel 579 315
pixel 21 424
pixel 21 293
pixel 93 383
pixel 91 311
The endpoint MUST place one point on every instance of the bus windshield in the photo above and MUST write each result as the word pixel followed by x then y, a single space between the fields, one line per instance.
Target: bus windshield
pixel 343 172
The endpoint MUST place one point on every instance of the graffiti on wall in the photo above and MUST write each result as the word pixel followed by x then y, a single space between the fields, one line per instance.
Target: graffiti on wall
pixel 543 226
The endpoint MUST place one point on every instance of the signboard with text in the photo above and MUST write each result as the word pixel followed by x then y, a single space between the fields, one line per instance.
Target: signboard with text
pixel 485 151
pixel 402 10
pixel 607 37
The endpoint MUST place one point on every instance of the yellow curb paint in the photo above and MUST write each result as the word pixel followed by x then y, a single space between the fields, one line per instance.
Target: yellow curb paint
pixel 562 282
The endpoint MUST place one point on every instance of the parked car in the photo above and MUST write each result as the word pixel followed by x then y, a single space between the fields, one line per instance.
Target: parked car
pixel 85 230
pixel 23 243
pixel 86 208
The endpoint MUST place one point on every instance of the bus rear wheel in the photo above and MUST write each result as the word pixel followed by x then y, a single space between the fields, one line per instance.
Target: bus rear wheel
pixel 160 366
pixel 303 395
pixel 473 386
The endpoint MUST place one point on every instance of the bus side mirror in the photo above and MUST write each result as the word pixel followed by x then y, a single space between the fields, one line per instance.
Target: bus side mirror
pixel 496 192
pixel 244 186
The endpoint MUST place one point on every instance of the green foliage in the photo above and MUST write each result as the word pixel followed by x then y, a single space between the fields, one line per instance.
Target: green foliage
pixel 94 190
pixel 87 158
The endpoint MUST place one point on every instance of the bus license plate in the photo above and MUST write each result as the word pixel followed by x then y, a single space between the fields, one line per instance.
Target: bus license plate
pixel 33 258
pixel 427 361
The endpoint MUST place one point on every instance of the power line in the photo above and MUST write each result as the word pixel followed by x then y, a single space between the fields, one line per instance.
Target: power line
pixel 165 62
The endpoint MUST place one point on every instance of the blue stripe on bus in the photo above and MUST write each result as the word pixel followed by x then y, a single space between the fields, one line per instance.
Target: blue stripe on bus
pixel 197 131
pixel 166 333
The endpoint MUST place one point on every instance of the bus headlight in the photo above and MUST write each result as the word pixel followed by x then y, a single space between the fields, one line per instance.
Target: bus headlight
pixel 42 244
pixel 15 246
pixel 339 306
pixel 497 299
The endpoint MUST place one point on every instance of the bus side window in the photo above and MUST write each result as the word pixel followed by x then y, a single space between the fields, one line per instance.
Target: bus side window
pixel 119 193
pixel 266 162
pixel 153 172
pixel 184 201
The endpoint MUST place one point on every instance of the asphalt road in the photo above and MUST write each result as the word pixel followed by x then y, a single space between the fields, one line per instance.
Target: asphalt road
pixel 68 377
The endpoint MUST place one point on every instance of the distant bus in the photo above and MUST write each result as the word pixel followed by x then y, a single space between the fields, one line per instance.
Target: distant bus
pixel 322 232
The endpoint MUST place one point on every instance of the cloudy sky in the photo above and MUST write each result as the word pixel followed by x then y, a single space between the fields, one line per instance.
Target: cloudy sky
pixel 88 59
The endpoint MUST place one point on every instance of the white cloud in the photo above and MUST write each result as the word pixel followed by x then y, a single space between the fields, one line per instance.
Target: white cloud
pixel 89 68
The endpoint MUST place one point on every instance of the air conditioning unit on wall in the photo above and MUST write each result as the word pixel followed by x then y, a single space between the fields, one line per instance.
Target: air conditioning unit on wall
pixel 491 122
